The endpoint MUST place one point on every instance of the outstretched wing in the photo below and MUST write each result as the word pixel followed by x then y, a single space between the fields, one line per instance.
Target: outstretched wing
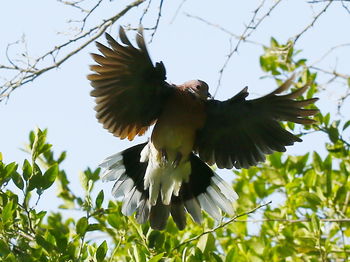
pixel 129 90
pixel 240 132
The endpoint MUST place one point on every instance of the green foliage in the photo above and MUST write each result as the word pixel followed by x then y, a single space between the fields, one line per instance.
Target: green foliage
pixel 308 219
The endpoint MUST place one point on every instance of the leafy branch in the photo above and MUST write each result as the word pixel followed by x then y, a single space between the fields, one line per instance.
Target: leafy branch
pixel 233 219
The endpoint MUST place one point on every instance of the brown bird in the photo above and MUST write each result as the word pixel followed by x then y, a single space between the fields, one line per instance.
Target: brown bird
pixel 169 174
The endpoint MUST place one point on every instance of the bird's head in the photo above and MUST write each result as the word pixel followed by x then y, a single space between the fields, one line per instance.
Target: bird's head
pixel 198 88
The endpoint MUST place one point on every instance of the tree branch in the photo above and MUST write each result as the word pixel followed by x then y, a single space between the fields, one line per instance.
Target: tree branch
pixel 331 220
pixel 233 219
pixel 312 22
pixel 247 32
pixel 31 72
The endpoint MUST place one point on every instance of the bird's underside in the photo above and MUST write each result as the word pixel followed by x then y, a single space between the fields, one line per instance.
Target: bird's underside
pixel 170 174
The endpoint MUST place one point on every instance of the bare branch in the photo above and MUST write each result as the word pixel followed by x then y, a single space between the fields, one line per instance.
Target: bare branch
pixel 334 73
pixel 312 22
pixel 322 1
pixel 226 31
pixel 74 4
pixel 145 12
pixel 31 71
pixel 341 1
pixel 88 14
pixel 332 49
pixel 177 11
pixel 249 29
pixel 157 22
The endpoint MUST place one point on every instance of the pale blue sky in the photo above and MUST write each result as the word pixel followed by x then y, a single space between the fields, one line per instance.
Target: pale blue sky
pixel 59 100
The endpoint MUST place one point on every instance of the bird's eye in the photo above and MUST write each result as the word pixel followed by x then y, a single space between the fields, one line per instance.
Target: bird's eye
pixel 198 87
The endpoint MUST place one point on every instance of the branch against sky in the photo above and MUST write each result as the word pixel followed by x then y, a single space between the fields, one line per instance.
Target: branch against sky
pixel 253 25
pixel 29 69
pixel 25 69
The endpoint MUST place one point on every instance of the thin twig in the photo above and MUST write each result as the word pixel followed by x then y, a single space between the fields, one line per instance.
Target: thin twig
pixel 74 4
pixel 145 11
pixel 226 31
pixel 177 11
pixel 312 22
pixel 332 49
pixel 249 29
pixel 88 14
pixel 27 75
pixel 233 219
pixel 346 220
pixel 334 73
pixel 322 1
pixel 157 22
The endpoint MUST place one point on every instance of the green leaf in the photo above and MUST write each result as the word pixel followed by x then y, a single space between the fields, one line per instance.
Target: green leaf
pixel 49 176
pixel 315 222
pixel 326 119
pixel 333 133
pixel 7 172
pixel 10 168
pixel 206 243
pixel 35 180
pixel 62 157
pixel 317 162
pixel 94 227
pixel 139 254
pixel 27 170
pixel 4 248
pixel 7 213
pixel 62 242
pixel 157 258
pixel 156 240
pixel 17 180
pixel 82 226
pixel 10 258
pixel 346 125
pixel 312 198
pixel 44 243
pixel 215 257
pixel 99 199
pixel 101 251
pixel 231 255
pixel 310 178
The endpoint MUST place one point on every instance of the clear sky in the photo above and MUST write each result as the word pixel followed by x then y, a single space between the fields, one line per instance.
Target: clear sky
pixel 59 100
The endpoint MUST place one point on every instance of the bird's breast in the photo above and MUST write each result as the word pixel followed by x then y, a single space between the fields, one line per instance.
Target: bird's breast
pixel 176 127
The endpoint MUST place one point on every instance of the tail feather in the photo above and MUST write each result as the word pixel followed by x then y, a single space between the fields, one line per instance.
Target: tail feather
pixel 158 215
pixel 178 213
pixel 204 190
pixel 194 209
pixel 142 210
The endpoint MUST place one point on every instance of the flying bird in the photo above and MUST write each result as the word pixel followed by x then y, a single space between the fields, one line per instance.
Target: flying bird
pixel 170 174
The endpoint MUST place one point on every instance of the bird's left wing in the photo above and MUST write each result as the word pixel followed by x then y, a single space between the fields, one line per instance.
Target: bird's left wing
pixel 239 132
pixel 130 91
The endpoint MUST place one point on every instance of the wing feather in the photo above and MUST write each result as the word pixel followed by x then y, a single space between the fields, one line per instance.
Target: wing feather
pixel 240 132
pixel 129 90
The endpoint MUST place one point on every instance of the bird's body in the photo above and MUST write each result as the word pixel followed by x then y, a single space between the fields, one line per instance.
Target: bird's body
pixel 171 144
pixel 177 125
pixel 168 174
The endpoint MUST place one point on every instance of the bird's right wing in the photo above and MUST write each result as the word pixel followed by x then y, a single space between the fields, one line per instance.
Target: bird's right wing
pixel 239 132
pixel 130 91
